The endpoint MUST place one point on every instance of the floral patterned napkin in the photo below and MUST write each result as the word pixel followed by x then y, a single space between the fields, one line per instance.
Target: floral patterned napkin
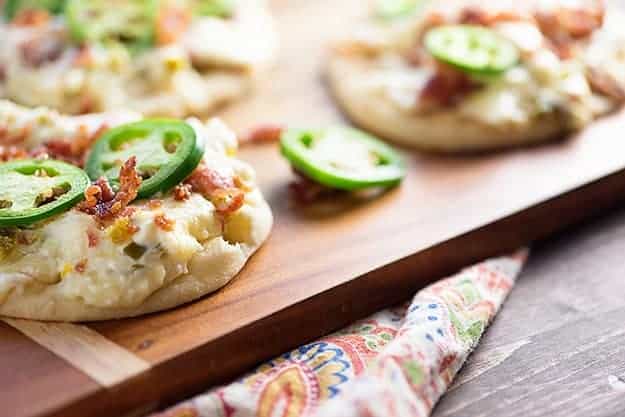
pixel 397 362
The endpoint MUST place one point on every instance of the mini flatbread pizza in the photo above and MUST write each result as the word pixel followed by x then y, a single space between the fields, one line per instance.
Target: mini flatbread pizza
pixel 171 58
pixel 473 78
pixel 102 220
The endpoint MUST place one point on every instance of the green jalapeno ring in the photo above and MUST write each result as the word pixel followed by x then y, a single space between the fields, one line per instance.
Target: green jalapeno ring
pixel 473 49
pixel 167 152
pixel 131 22
pixel 298 146
pixel 13 7
pixel 33 190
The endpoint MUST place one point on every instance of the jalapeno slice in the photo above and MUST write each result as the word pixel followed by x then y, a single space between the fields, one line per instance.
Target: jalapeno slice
pixel 32 190
pixel 474 49
pixel 131 22
pixel 219 8
pixel 13 7
pixel 342 158
pixel 393 9
pixel 167 152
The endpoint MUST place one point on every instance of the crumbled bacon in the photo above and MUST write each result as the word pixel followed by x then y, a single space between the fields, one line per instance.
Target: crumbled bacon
pixel 31 17
pixel 182 192
pixel 603 83
pixel 81 266
pixel 8 153
pixel 71 150
pixel 219 189
pixel 92 238
pixel 478 16
pixel 446 87
pixel 155 204
pixel 305 190
pixel 564 26
pixel 41 49
pixel 263 134
pixel 83 58
pixel 171 23
pixel 103 203
pixel 164 223
pixel 87 105
pixel 20 136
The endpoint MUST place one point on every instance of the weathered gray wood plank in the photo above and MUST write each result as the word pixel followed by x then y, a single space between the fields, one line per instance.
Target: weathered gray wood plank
pixel 558 346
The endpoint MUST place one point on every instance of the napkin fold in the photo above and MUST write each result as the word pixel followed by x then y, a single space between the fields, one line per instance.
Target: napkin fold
pixel 397 362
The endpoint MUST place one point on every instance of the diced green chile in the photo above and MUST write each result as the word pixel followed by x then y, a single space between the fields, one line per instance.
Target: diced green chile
pixel 342 158
pixel 13 7
pixel 473 49
pixel 32 190
pixel 167 151
pixel 131 22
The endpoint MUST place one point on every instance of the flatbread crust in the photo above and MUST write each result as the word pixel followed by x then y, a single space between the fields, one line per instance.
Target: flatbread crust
pixel 447 131
pixel 217 61
pixel 210 269
pixel 203 253
pixel 361 72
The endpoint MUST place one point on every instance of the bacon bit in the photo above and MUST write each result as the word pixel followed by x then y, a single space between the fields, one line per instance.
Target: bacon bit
pixel 564 26
pixel 227 200
pixel 3 73
pixel 18 137
pixel 41 50
pixel 182 192
pixel 171 23
pixel 305 190
pixel 155 204
pixel 479 16
pixel 164 223
pixel 220 190
pixel 8 153
pixel 81 266
pixel 103 203
pixel 72 150
pixel 446 87
pixel 25 237
pixel 84 58
pixel 603 83
pixel 474 16
pixel 122 230
pixel 87 105
pixel 263 134
pixel 31 17
pixel 93 239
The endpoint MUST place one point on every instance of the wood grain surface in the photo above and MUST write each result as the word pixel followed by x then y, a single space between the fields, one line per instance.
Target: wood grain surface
pixel 557 348
pixel 326 265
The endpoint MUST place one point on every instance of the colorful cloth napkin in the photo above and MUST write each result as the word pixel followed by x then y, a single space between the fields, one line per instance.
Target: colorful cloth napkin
pixel 397 362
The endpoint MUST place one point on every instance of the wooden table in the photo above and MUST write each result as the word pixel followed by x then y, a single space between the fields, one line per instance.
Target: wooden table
pixel 558 345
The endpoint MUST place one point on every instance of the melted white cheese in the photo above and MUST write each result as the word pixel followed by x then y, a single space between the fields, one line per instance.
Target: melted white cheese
pixel 124 272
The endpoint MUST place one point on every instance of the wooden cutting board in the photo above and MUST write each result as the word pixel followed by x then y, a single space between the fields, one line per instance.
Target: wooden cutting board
pixel 324 265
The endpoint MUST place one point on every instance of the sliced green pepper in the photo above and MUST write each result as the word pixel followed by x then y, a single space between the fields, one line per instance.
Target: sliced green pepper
pixel 219 8
pixel 393 9
pixel 167 152
pixel 13 7
pixel 474 49
pixel 342 158
pixel 131 22
pixel 32 190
